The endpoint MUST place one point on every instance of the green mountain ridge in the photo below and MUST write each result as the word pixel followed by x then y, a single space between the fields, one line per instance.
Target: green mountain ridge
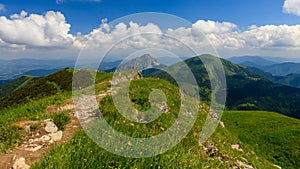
pixel 246 90
pixel 15 84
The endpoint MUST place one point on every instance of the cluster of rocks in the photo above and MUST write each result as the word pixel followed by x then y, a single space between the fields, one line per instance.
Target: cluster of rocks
pixel 164 108
pixel 37 140
pixel 216 117
pixel 237 147
pixel 210 149
pixel 239 164
pixel 20 164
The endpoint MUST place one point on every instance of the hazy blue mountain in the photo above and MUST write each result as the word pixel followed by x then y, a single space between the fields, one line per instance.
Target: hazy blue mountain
pixel 40 72
pixel 283 69
pixel 11 69
pixel 253 61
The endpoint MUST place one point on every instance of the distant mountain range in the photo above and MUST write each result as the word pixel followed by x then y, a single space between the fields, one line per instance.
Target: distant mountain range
pixel 253 61
pixel 12 69
pixel 275 69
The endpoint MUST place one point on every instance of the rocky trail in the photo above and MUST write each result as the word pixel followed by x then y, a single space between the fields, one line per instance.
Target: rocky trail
pixel 38 143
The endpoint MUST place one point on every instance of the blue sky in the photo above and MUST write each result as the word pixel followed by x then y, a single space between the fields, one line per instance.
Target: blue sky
pixel 61 28
pixel 86 15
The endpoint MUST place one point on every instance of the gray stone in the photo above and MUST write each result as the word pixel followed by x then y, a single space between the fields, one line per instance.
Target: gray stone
pixel 50 127
pixel 236 147
pixel 243 165
pixel 27 129
pixel 56 136
pixel 45 138
pixel 277 166
pixel 20 164
pixel 33 147
pixel 222 124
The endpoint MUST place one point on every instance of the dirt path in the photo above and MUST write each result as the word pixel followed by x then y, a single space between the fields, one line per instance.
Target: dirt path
pixel 7 160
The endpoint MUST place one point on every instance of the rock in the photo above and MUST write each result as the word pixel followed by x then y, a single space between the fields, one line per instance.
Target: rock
pixel 210 149
pixel 66 107
pixel 243 165
pixel 222 124
pixel 237 147
pixel 50 127
pixel 214 115
pixel 33 147
pixel 45 138
pixel 277 166
pixel 20 164
pixel 56 136
pixel 27 129
pixel 164 108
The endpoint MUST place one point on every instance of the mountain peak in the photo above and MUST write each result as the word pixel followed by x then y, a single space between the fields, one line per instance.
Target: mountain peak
pixel 145 61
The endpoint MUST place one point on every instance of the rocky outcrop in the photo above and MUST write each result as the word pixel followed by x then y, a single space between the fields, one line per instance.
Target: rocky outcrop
pixel 50 127
pixel 243 165
pixel 237 147
pixel 20 164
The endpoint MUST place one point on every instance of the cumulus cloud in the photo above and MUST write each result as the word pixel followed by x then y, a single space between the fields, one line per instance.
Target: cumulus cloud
pixel 26 31
pixel 226 35
pixel 2 7
pixel 292 7
pixel 34 30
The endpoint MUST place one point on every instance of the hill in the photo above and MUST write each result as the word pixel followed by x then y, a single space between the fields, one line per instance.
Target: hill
pixel 215 153
pixel 271 135
pixel 15 84
pixel 245 89
pixel 45 86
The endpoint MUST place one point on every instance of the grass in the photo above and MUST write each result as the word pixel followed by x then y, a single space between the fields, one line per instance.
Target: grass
pixel 61 119
pixel 82 152
pixel 271 135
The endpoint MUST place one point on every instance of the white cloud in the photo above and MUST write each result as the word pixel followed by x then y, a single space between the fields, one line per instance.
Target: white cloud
pixel 35 30
pixel 2 7
pixel 45 32
pixel 292 7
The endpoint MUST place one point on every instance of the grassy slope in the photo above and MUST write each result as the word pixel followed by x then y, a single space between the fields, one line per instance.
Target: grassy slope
pixel 82 152
pixel 35 109
pixel 46 86
pixel 15 84
pixel 271 135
